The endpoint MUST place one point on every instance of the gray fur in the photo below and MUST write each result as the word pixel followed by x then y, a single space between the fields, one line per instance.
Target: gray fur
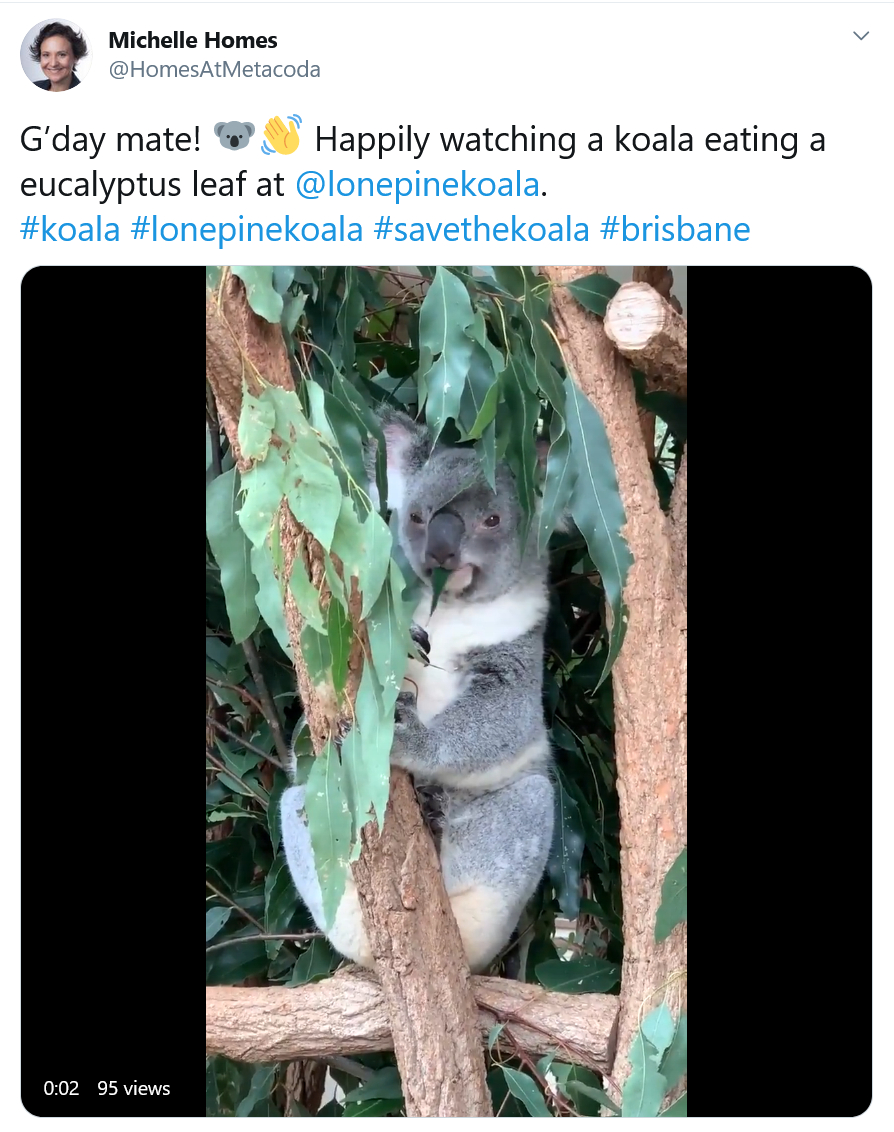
pixel 474 738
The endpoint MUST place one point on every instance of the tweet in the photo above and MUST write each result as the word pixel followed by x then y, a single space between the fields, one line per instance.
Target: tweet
pixel 446 504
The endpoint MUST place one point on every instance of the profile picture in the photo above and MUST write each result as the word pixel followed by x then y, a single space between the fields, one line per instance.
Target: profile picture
pixel 56 55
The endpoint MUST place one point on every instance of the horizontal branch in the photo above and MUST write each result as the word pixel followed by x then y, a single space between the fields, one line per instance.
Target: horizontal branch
pixel 346 1015
pixel 650 334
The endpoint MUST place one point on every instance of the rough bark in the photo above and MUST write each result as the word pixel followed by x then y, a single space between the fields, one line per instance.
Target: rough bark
pixel 424 974
pixel 347 1015
pixel 420 962
pixel 650 334
pixel 649 677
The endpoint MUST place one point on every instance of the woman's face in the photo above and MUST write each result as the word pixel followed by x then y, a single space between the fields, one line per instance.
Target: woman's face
pixel 56 58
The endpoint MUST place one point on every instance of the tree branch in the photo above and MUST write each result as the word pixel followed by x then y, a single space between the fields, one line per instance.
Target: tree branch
pixel 649 677
pixel 650 334
pixel 346 1015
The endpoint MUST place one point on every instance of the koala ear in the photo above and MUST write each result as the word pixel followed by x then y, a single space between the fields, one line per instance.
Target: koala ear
pixel 250 128
pixel 218 127
pixel 407 446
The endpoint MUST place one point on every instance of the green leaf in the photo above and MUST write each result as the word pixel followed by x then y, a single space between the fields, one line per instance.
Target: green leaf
pixel 672 910
pixel 583 1088
pixel 523 407
pixel 269 596
pixel 486 449
pixel 678 1108
pixel 658 1028
pixel 375 730
pixel 524 1088
pixel 313 964
pixel 445 314
pixel 383 1085
pixel 645 1088
pixel 673 1065
pixel 279 904
pixel 340 633
pixel 504 1103
pixel 561 473
pixel 313 490
pixel 262 1080
pixel 215 918
pixel 594 292
pixel 439 579
pixel 260 292
pixel 263 488
pixel 306 595
pixel 388 627
pixel 478 406
pixel 329 823
pixel 374 1107
pixel 316 653
pixel 493 1035
pixel 365 551
pixel 586 975
pixel 566 852
pixel 231 548
pixel 598 511
pixel 347 320
pixel 282 279
pixel 256 420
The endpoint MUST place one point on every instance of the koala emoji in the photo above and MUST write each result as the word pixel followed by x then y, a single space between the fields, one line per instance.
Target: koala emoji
pixel 234 135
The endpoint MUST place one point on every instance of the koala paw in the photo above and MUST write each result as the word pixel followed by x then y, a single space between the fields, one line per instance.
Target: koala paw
pixel 405 709
pixel 409 733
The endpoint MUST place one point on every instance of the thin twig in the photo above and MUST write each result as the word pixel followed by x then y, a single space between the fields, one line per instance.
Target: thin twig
pixel 270 712
pixel 240 692
pixel 297 937
pixel 243 742
pixel 222 766
pixel 232 903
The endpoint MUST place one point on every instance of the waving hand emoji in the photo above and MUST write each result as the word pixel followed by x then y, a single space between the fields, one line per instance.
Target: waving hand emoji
pixel 283 141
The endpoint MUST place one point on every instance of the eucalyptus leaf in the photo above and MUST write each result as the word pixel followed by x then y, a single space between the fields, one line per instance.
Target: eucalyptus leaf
pixel 329 824
pixel 340 633
pixel 594 292
pixel 215 918
pixel 384 1084
pixel 231 550
pixel 567 849
pixel 586 975
pixel 260 292
pixel 598 511
pixel 524 1088
pixel 645 1087
pixel 672 910
pixel 445 314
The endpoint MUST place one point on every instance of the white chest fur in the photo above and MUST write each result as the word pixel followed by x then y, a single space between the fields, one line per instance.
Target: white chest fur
pixel 456 627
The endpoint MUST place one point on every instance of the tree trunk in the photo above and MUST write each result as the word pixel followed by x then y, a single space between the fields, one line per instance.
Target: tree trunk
pixel 425 980
pixel 649 677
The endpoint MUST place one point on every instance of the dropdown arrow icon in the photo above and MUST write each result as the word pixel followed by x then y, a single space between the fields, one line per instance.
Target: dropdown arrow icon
pixel 863 36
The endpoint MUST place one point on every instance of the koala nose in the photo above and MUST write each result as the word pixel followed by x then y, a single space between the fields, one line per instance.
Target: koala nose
pixel 445 532
pixel 234 141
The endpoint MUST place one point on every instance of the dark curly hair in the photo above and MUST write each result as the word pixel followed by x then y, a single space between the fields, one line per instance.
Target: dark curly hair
pixel 78 43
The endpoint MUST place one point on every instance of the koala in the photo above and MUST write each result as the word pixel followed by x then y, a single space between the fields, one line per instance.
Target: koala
pixel 469 724
pixel 234 135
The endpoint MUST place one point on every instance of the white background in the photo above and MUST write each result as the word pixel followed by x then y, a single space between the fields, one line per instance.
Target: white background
pixel 581 67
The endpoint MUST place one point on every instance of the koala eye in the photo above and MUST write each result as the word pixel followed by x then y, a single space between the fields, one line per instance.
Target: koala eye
pixel 416 518
pixel 492 521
